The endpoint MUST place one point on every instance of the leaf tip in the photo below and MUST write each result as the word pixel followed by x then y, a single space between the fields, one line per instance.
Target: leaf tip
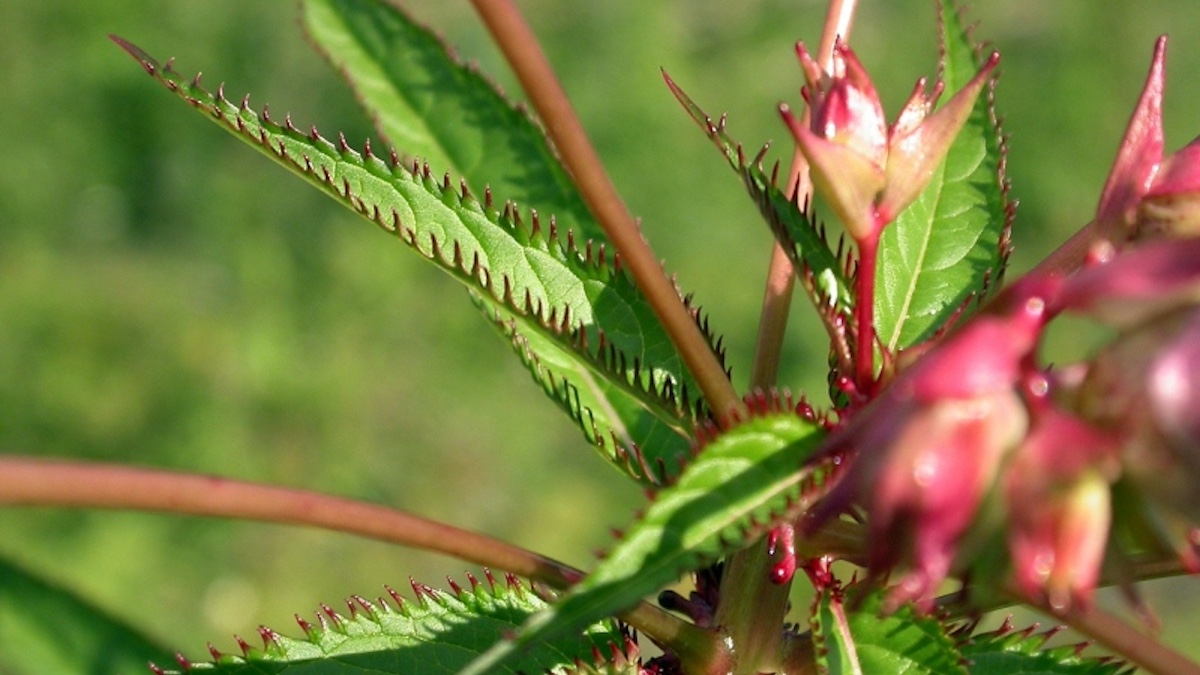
pixel 148 62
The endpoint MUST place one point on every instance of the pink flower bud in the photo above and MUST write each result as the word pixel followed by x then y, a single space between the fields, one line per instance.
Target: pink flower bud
pixel 845 105
pixel 1146 195
pixel 925 452
pixel 1171 207
pixel 867 171
pixel 938 469
pixel 846 141
pixel 1056 489
pixel 1138 157
pixel 917 144
pixel 1145 387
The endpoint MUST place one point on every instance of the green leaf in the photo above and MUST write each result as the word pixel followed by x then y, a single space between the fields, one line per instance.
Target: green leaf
pixel 861 640
pixel 589 329
pixel 45 628
pixel 1010 652
pixel 629 433
pixel 952 243
pixel 427 104
pixel 437 634
pixel 739 483
pixel 821 271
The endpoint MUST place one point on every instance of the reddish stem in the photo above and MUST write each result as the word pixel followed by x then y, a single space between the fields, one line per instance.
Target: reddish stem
pixel 781 278
pixel 1145 651
pixel 864 315
pixel 523 53
pixel 39 482
pixel 66 483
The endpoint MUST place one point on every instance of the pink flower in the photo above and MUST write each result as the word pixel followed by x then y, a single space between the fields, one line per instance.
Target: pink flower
pixel 866 170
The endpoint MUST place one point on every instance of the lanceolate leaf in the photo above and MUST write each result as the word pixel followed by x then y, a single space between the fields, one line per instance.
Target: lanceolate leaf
pixel 738 484
pixel 427 104
pixel 952 242
pixel 1011 652
pixel 859 639
pixel 48 629
pixel 435 634
pixel 822 271
pixel 619 425
pixel 586 323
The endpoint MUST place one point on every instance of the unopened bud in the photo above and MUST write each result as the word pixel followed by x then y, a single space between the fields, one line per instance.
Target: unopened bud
pixel 1171 207
pixel 867 171
pixel 1146 388
pixel 1057 492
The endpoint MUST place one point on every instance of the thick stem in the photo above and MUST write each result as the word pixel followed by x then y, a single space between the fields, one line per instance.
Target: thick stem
pixel 752 608
pixel 523 53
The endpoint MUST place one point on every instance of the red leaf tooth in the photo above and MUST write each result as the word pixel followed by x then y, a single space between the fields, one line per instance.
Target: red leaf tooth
pixel 396 598
pixel 334 617
pixel 270 638
pixel 422 592
pixel 513 582
pixel 309 630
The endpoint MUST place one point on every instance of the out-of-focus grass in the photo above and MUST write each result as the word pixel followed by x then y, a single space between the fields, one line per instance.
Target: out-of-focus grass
pixel 169 298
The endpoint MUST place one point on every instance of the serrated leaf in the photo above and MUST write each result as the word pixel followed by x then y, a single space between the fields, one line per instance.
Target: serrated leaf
pixel 952 242
pixel 1010 652
pixel 861 640
pixel 736 486
pixel 623 429
pixel 45 628
pixel 589 318
pixel 822 271
pixel 427 104
pixel 436 634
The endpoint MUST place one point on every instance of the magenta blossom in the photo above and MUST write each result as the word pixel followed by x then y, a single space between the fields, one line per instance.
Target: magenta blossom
pixel 866 170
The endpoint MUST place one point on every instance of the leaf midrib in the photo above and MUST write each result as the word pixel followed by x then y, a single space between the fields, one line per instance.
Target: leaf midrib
pixel 919 266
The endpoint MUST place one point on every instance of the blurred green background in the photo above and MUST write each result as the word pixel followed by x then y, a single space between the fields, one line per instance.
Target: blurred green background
pixel 169 298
